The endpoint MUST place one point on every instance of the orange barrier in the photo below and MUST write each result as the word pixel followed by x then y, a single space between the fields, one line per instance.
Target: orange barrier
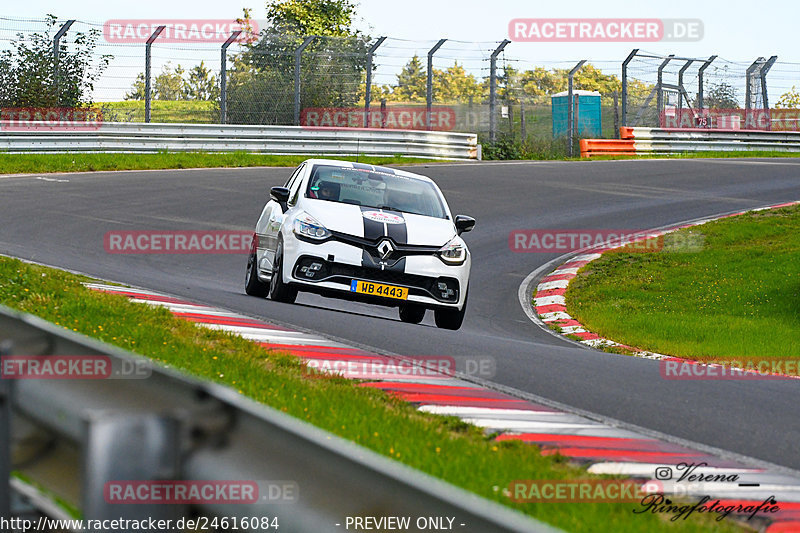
pixel 626 132
pixel 593 147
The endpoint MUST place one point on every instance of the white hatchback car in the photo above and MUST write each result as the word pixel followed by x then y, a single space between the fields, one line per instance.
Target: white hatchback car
pixel 360 232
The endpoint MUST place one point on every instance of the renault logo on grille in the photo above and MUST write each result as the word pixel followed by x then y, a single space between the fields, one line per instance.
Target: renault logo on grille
pixel 385 249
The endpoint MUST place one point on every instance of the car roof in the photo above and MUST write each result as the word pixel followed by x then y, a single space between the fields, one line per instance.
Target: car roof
pixel 364 166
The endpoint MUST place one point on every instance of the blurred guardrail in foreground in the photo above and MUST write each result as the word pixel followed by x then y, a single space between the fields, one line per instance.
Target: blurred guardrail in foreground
pixel 69 438
pixel 138 137
pixel 635 141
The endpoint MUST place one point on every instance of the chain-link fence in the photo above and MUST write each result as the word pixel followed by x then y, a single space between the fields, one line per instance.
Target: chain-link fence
pixel 242 73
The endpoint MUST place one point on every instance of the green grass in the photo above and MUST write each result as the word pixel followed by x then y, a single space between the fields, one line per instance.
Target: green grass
pixel 46 163
pixel 441 446
pixel 191 111
pixel 734 293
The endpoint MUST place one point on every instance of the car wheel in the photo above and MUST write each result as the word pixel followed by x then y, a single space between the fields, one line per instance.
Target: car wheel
pixel 278 290
pixel 413 314
pixel 252 285
pixel 451 318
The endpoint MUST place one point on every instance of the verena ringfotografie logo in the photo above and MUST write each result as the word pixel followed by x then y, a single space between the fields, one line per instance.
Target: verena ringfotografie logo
pixel 72 367
pixel 572 30
pixel 50 119
pixel 178 242
pixel 442 118
pixel 177 30
pixel 581 490
pixel 674 369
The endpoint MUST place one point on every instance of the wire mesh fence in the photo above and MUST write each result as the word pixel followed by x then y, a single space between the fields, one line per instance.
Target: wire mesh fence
pixel 281 79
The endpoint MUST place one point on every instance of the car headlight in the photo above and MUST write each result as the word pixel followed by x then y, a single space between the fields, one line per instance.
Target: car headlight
pixel 454 252
pixel 307 226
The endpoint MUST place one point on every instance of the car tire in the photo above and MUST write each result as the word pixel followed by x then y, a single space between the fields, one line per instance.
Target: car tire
pixel 252 285
pixel 413 314
pixel 278 290
pixel 451 318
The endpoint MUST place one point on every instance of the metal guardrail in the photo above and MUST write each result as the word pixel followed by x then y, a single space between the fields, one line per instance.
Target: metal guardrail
pixel 138 137
pixel 638 140
pixel 656 140
pixel 73 436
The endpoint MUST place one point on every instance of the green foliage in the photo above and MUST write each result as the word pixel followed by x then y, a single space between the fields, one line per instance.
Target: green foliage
pixel 721 96
pixel 789 100
pixel 172 85
pixel 201 85
pixel 27 69
pixel 411 82
pixel 261 80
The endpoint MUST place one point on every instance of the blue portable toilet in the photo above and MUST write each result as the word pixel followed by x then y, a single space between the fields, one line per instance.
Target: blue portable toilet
pixel 588 123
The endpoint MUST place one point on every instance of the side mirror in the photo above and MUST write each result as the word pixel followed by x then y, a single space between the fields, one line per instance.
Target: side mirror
pixel 464 223
pixel 280 195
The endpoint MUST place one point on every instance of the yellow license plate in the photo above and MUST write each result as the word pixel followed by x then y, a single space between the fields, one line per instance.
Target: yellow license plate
pixel 378 289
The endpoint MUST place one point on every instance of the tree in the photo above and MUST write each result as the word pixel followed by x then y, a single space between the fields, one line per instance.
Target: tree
pixel 202 85
pixel 27 69
pixel 411 82
pixel 137 89
pixel 455 84
pixel 789 100
pixel 721 96
pixel 169 85
pixel 261 80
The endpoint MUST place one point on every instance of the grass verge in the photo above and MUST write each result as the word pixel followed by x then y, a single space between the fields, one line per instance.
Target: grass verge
pixel 727 289
pixel 46 163
pixel 444 447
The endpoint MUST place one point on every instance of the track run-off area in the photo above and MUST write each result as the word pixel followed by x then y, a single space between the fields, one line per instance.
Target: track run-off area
pixel 61 220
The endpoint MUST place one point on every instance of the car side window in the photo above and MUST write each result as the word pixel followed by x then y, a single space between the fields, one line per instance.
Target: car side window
pixel 293 177
pixel 294 188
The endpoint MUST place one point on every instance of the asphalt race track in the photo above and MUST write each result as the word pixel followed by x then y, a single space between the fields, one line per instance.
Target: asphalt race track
pixel 60 220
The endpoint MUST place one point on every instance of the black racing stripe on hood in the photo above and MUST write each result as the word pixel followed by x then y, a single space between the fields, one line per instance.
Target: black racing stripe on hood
pixel 397 232
pixel 372 230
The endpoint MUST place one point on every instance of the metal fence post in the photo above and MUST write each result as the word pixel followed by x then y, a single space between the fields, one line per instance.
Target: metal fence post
pixel 748 90
pixel 56 51
pixel 571 106
pixel 763 74
pixel 368 91
pixel 700 81
pixel 625 85
pixel 147 46
pixel 493 89
pixel 616 114
pixel 429 84
pixel 659 89
pixel 223 77
pixel 523 134
pixel 297 54
pixel 681 90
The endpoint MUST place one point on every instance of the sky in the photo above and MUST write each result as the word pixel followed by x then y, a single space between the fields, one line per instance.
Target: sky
pixel 736 30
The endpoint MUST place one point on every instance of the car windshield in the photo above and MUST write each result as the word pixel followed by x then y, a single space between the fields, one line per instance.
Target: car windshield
pixel 377 189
